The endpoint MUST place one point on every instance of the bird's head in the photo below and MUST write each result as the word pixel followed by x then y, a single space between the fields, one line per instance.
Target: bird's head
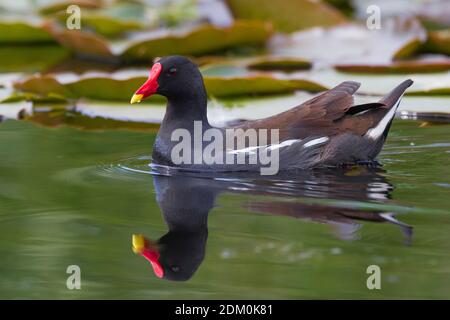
pixel 175 256
pixel 172 77
pixel 149 251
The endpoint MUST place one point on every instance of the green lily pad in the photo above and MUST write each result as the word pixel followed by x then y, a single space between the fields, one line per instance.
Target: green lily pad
pixel 380 84
pixel 112 21
pixel 408 49
pixel 31 58
pixel 402 67
pixel 83 42
pixel 220 111
pixel 103 88
pixel 62 5
pixel 121 88
pixel 201 40
pixel 443 91
pixel 109 26
pixel 43 86
pixel 20 32
pixel 258 84
pixel 58 118
pixel 144 47
pixel 34 97
pixel 288 16
pixel 438 42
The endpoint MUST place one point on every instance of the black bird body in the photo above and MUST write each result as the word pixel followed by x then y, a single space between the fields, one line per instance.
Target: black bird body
pixel 327 130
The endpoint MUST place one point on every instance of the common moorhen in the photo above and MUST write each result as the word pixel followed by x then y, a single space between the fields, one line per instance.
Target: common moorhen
pixel 327 130
pixel 186 201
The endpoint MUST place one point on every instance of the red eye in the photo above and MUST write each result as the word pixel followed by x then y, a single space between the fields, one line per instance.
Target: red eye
pixel 172 71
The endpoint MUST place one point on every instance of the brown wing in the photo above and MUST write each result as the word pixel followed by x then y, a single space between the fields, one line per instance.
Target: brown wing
pixel 331 113
pixel 327 114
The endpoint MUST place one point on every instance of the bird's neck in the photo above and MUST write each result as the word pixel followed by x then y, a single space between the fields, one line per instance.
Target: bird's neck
pixel 181 112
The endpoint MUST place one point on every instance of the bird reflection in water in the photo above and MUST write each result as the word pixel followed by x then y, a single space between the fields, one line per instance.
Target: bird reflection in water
pixel 185 202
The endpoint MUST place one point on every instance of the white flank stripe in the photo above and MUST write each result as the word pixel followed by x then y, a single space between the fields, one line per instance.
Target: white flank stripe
pixel 376 132
pixel 315 141
pixel 252 150
pixel 245 150
pixel 283 144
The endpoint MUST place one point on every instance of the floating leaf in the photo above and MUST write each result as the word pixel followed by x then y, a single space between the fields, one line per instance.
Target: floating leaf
pixel 142 113
pixel 31 58
pixel 252 85
pixel 416 66
pixel 201 40
pixel 121 85
pixel 109 26
pixel 57 118
pixel 378 84
pixel 408 49
pixel 438 42
pixel 112 21
pixel 290 15
pixel 145 46
pixel 44 86
pixel 19 32
pixel 103 88
pixel 83 42
pixel 431 92
pixel 63 5
pixel 95 115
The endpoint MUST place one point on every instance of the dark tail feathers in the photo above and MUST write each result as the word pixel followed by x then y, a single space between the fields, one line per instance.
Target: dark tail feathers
pixel 392 97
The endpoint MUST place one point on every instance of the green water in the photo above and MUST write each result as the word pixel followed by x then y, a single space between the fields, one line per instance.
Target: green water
pixel 72 197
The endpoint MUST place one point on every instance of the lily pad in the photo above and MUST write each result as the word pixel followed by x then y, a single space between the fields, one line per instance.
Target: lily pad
pixel 19 32
pixel 431 92
pixel 58 118
pixel 44 86
pixel 258 84
pixel 148 45
pixel 31 58
pixel 112 21
pixel 290 15
pixel 408 49
pixel 62 5
pixel 121 85
pixel 403 67
pixel 438 42
pixel 142 113
pixel 220 111
pixel 109 26
pixel 201 40
pixel 377 84
pixel 83 42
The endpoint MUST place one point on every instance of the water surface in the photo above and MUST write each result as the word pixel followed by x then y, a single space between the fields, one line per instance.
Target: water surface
pixel 73 197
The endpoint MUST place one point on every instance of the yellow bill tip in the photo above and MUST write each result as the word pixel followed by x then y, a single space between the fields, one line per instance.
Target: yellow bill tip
pixel 136 98
pixel 138 241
